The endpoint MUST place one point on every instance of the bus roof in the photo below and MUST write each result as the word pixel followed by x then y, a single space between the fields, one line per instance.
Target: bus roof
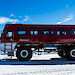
pixel 36 25
pixel 17 26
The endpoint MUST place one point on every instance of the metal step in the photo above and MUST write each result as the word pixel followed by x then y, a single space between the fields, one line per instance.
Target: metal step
pixel 7 45
pixel 10 53
pixel 8 48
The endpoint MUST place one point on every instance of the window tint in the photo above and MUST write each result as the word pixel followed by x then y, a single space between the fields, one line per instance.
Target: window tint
pixel 58 32
pixel 22 31
pixel 51 32
pixel 31 32
pixel 34 32
pixel 61 32
pixel 48 31
pixel 72 31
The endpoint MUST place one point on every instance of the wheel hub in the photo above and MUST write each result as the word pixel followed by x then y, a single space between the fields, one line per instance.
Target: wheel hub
pixel 72 53
pixel 24 53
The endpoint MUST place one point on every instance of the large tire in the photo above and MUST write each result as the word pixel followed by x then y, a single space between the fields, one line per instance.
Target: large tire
pixel 24 53
pixel 60 53
pixel 71 54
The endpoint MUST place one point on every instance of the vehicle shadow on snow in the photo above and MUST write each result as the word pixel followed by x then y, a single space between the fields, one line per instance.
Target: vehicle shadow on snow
pixel 52 61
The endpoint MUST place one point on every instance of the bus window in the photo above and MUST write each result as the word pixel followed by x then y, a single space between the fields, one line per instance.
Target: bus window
pixel 51 31
pixel 61 32
pixel 31 32
pixel 58 32
pixel 34 32
pixel 9 34
pixel 22 31
pixel 48 31
pixel 72 32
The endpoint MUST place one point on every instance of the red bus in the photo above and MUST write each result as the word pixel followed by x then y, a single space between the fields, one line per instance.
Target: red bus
pixel 27 36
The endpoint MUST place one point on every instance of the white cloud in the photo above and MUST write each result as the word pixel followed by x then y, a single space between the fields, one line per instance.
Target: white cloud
pixel 59 22
pixel 26 19
pixel 67 19
pixel 20 16
pixel 4 20
pixel 12 15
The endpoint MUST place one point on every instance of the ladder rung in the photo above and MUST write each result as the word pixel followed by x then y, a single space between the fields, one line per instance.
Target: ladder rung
pixel 7 48
pixel 7 45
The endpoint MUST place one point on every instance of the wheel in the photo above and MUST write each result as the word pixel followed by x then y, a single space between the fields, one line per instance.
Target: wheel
pixel 67 52
pixel 71 54
pixel 24 54
pixel 60 53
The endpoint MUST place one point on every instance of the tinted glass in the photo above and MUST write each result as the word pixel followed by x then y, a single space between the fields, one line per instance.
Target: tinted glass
pixel 61 32
pixel 48 31
pixel 31 32
pixel 35 32
pixel 9 34
pixel 21 32
pixel 72 31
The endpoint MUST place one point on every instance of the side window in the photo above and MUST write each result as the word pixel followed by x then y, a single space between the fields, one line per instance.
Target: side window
pixel 61 32
pixel 22 31
pixel 31 32
pixel 51 31
pixel 64 32
pixel 58 32
pixel 9 34
pixel 72 32
pixel 48 31
pixel 34 32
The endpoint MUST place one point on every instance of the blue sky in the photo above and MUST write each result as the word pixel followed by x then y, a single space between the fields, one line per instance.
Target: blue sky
pixel 37 12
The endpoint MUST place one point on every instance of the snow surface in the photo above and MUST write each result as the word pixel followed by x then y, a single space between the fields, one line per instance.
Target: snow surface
pixel 37 70
pixel 44 64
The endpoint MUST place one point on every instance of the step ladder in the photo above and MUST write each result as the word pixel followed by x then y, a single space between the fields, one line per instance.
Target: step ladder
pixel 9 50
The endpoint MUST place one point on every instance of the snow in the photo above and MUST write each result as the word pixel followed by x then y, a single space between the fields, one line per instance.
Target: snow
pixel 37 70
pixel 44 64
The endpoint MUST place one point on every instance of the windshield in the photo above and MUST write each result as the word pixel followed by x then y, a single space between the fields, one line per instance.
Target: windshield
pixel 1 33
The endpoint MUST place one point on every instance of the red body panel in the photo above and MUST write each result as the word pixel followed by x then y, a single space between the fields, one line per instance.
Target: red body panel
pixel 41 38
